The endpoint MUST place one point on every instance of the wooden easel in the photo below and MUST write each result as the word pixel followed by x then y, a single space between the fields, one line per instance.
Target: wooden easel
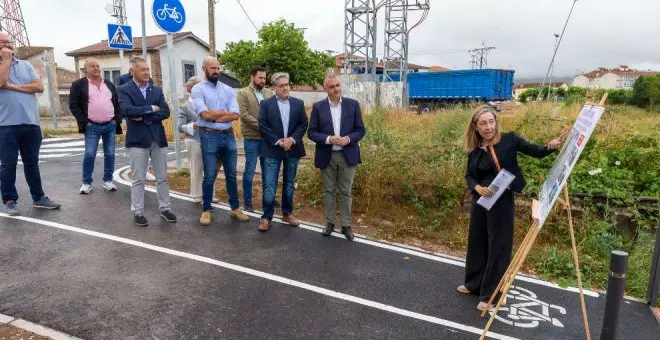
pixel 520 256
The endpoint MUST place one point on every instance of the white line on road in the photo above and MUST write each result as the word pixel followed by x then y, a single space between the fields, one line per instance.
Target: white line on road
pixel 361 239
pixel 267 276
pixel 59 139
pixel 62 150
pixel 57 155
pixel 63 145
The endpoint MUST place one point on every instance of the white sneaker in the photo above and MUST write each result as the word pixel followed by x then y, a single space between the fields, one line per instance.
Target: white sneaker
pixel 150 177
pixel 86 189
pixel 109 186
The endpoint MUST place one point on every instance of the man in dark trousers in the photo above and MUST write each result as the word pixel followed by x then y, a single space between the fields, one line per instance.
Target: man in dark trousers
pixel 282 123
pixel 145 108
pixel 19 128
pixel 94 103
pixel 336 127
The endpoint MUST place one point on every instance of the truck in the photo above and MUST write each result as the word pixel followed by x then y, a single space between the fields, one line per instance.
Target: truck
pixel 429 90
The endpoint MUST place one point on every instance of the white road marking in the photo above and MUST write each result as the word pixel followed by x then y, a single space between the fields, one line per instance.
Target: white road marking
pixel 58 139
pixel 62 150
pixel 57 155
pixel 64 145
pixel 361 239
pixel 267 276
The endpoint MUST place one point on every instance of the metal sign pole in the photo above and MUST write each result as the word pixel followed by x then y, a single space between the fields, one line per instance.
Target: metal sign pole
pixel 175 100
pixel 121 62
pixel 51 80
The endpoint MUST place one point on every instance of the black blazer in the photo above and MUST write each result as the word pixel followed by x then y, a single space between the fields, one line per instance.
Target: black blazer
pixel 142 133
pixel 270 126
pixel 507 154
pixel 321 126
pixel 79 103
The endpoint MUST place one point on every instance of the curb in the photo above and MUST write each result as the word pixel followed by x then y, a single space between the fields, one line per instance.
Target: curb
pixel 34 328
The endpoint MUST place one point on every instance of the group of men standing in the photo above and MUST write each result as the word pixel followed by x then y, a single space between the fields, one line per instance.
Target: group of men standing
pixel 273 125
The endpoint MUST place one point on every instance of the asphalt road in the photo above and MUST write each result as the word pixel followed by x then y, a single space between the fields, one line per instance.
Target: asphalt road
pixel 88 271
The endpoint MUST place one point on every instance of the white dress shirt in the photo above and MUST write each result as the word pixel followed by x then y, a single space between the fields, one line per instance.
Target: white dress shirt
pixel 335 111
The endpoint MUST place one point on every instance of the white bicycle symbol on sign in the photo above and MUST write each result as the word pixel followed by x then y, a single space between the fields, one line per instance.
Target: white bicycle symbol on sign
pixel 525 310
pixel 172 13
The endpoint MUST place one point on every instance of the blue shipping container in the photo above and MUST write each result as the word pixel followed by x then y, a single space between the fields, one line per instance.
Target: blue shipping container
pixel 460 85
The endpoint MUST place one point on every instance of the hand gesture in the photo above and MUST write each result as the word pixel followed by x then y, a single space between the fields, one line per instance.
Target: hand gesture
pixel 484 191
pixel 343 141
pixel 335 140
pixel 286 143
pixel 554 143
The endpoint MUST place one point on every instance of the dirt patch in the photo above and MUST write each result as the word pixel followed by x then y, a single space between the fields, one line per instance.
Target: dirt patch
pixel 8 332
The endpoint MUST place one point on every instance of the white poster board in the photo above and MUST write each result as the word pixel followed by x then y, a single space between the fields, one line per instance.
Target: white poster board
pixel 570 153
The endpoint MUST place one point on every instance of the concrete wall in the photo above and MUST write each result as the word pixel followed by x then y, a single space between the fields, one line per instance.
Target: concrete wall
pixel 580 81
pixel 309 97
pixel 41 67
pixel 391 93
pixel 187 50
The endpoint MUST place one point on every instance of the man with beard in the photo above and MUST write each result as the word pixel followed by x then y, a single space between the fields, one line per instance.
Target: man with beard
pixel 248 103
pixel 216 105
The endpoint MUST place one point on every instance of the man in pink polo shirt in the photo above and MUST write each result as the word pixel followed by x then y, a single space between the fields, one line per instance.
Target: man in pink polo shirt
pixel 93 101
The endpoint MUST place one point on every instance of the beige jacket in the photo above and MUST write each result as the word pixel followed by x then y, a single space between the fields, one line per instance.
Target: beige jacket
pixel 249 110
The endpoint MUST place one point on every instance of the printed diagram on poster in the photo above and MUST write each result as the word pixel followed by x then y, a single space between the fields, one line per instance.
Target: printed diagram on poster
pixel 120 37
pixel 570 153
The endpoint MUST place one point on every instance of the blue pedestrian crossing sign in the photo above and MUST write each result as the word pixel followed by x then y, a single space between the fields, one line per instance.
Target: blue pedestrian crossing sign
pixel 169 15
pixel 120 37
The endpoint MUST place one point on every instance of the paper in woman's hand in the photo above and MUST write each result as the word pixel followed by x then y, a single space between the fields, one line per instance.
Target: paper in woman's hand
pixel 499 184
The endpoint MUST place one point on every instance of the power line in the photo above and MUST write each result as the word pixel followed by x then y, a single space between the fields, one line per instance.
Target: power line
pixel 479 56
pixel 247 15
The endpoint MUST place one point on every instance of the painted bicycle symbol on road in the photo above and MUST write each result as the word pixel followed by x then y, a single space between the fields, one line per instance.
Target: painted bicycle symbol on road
pixel 172 13
pixel 525 310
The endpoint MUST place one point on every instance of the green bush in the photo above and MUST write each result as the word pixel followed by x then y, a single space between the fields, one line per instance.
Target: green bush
pixel 646 91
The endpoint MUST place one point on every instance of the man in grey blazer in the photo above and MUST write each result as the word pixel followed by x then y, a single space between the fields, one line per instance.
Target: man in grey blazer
pixel 188 126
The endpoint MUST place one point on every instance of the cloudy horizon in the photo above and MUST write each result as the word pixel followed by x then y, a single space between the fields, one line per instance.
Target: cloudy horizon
pixel 600 33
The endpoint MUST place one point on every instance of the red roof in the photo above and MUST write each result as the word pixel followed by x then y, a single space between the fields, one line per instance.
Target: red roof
pixel 153 42
pixel 438 68
pixel 620 71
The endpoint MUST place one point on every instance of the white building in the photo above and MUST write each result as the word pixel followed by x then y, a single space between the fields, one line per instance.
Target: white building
pixel 189 53
pixel 617 78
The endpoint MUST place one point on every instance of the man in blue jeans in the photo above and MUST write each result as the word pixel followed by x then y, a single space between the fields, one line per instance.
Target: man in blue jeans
pixel 19 128
pixel 282 123
pixel 94 103
pixel 216 105
pixel 248 103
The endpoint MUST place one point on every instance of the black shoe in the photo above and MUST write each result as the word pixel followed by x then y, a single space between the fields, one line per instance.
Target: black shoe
pixel 248 206
pixel 328 229
pixel 348 233
pixel 276 204
pixel 168 216
pixel 140 220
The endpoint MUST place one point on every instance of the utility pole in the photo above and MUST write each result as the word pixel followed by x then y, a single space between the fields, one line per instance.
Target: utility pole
pixel 119 12
pixel 554 54
pixel 479 57
pixel 211 11
pixel 144 33
pixel 552 69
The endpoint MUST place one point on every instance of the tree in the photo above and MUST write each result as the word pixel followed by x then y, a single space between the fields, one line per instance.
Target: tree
pixel 529 93
pixel 281 48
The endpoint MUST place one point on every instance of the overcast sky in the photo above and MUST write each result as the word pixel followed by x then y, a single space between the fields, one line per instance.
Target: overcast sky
pixel 600 32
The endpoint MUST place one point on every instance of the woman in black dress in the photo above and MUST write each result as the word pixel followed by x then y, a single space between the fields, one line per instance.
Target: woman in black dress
pixel 490 238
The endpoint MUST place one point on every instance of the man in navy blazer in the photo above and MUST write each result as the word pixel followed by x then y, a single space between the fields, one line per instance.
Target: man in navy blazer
pixel 336 127
pixel 282 123
pixel 145 108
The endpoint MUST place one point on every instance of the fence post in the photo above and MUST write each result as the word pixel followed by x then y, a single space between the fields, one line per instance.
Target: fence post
pixel 654 280
pixel 616 285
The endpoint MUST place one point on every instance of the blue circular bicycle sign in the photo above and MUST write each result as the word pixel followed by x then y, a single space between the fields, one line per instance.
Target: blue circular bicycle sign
pixel 169 15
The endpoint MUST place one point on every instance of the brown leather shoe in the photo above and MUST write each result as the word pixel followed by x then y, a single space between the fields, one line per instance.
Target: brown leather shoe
pixel 264 224
pixel 206 217
pixel 239 215
pixel 289 219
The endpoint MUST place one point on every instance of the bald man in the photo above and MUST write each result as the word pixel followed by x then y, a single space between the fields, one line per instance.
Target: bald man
pixel 95 105
pixel 216 106
pixel 19 128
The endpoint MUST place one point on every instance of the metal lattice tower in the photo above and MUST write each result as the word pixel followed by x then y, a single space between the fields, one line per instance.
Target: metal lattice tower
pixel 397 33
pixel 395 60
pixel 479 57
pixel 359 36
pixel 119 11
pixel 11 21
